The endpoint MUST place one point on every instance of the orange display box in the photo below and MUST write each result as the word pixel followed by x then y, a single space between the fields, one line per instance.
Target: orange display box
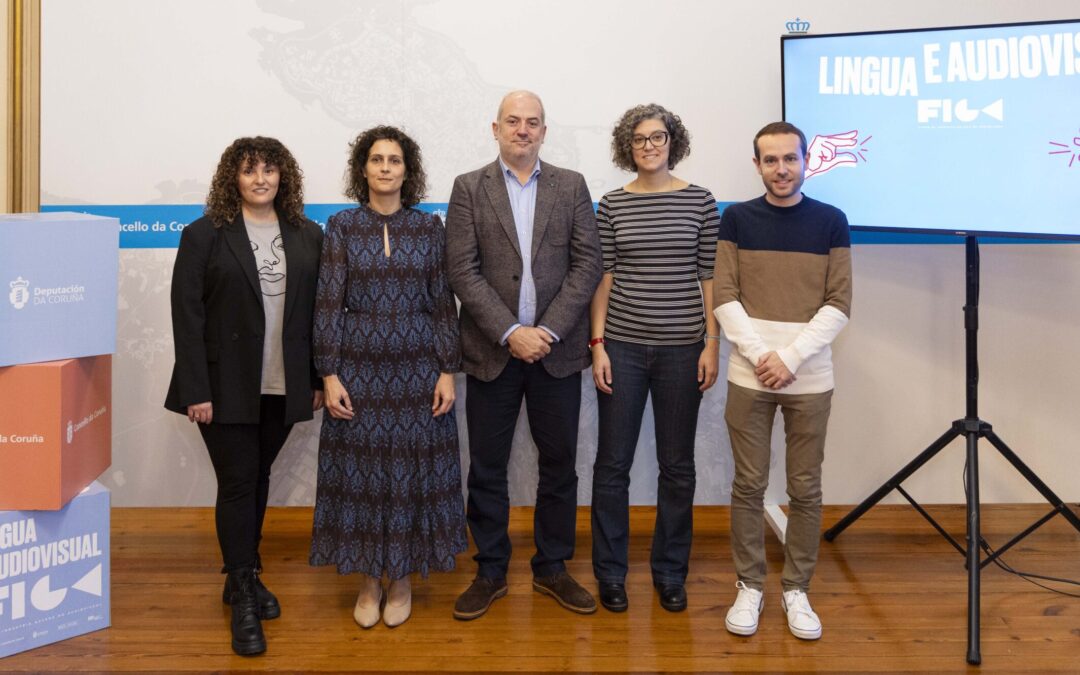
pixel 55 430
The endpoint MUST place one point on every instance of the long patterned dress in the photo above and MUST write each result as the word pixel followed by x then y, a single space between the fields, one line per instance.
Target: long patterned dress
pixel 389 487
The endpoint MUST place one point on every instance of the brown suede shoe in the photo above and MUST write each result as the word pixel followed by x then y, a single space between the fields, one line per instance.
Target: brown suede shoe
pixel 478 597
pixel 566 592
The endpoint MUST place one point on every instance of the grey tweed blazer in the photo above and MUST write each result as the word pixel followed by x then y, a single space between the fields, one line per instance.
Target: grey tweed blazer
pixel 484 263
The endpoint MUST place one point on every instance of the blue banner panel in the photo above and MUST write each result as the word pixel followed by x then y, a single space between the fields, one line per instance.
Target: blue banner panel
pixel 142 225
pixel 159 225
pixel 54 572
pixel 59 276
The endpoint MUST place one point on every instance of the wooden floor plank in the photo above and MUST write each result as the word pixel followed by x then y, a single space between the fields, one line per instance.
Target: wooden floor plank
pixel 891 592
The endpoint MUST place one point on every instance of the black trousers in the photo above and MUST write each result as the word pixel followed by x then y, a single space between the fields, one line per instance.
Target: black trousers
pixel 492 409
pixel 242 455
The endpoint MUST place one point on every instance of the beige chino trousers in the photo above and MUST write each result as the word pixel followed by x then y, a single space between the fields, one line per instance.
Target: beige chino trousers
pixel 749 415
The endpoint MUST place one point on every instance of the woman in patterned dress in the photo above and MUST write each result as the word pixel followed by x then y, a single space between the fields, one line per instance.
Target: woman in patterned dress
pixel 389 497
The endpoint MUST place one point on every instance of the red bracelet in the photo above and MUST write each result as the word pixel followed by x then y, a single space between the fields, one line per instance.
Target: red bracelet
pixel 596 341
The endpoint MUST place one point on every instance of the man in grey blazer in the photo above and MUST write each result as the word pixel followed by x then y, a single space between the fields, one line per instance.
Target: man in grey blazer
pixel 523 257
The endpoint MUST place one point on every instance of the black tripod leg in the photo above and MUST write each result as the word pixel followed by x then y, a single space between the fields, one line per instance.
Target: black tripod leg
pixel 974 569
pixel 891 484
pixel 1032 478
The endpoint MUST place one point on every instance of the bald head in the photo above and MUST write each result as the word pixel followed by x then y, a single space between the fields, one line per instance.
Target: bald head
pixel 519 129
pixel 520 94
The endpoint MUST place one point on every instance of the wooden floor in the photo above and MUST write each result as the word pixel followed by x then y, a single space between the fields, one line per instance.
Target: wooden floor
pixel 890 591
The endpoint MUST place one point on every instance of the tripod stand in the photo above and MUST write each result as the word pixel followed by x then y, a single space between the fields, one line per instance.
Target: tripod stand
pixel 972 429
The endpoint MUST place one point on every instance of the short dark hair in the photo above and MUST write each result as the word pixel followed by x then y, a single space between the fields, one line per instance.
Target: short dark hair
pixel 223 203
pixel 678 137
pixel 414 187
pixel 779 128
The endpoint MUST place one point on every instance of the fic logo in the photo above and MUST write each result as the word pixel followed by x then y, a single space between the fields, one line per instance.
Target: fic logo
pixel 42 597
pixel 947 111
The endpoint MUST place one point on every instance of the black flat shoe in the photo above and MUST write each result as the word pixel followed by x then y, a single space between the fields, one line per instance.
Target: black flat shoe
pixel 613 596
pixel 672 596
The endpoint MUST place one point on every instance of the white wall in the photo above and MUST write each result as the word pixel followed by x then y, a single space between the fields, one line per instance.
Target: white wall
pixel 140 98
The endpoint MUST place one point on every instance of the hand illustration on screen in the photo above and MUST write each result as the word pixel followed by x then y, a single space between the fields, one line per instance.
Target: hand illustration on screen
pixel 828 152
pixel 1064 149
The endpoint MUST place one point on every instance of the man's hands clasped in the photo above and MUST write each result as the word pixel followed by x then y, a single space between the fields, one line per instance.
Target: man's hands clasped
pixel 772 372
pixel 529 344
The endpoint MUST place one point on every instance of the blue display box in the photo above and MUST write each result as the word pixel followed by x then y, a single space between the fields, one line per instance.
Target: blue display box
pixel 54 572
pixel 59 276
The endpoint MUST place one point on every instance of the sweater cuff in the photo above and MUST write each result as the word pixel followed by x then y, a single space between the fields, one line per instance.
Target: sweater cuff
pixel 790 357
pixel 739 330
pixel 815 336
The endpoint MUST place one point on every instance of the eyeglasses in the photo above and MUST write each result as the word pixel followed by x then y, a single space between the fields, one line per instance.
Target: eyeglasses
pixel 657 138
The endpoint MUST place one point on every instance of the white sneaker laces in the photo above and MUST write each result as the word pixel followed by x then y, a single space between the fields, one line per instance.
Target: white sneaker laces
pixel 798 604
pixel 748 600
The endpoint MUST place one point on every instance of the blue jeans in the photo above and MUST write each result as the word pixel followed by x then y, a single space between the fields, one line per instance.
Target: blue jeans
pixel 669 374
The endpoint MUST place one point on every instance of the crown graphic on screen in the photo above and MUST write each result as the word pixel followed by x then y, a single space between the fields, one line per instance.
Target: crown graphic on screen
pixel 798 26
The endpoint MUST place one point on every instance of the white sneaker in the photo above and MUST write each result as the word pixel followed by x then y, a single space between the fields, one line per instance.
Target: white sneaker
pixel 801 619
pixel 742 618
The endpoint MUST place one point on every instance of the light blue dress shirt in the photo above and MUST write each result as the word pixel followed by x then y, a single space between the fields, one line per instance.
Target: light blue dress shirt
pixel 523 206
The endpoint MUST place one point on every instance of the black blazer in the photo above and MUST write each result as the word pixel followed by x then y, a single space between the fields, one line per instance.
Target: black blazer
pixel 218 321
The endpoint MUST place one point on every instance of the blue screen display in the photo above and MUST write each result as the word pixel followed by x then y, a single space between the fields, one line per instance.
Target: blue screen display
pixel 971 130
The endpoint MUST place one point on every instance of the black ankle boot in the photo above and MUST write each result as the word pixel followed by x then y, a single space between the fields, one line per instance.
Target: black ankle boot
pixel 266 602
pixel 247 632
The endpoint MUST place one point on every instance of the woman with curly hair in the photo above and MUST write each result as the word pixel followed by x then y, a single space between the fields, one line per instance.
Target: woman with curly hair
pixel 386 344
pixel 652 334
pixel 243 297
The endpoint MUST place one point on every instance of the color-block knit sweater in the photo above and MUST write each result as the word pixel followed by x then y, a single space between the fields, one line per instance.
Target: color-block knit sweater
pixel 782 283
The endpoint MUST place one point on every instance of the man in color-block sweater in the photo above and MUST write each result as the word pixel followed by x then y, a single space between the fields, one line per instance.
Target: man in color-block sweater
pixel 782 290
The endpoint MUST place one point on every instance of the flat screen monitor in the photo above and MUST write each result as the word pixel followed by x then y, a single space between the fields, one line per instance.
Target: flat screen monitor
pixel 968 130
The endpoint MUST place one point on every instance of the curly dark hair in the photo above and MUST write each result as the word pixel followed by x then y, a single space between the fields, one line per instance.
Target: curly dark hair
pixel 224 201
pixel 414 187
pixel 679 138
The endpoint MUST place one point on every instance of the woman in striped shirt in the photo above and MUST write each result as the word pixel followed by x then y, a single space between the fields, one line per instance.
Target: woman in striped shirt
pixel 651 326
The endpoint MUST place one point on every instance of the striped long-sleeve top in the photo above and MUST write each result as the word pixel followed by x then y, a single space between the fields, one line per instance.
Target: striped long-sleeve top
pixel 782 283
pixel 659 247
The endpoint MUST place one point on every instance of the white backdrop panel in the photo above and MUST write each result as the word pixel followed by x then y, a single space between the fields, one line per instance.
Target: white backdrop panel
pixel 140 98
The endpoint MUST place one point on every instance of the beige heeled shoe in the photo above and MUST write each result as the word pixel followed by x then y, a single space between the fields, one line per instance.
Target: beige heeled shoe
pixel 397 612
pixel 365 614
